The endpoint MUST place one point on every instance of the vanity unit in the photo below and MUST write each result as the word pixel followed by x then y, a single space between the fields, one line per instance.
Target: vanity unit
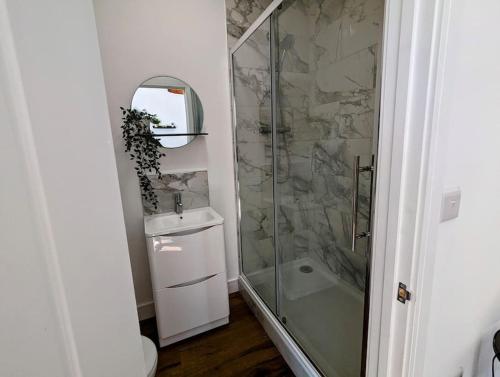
pixel 188 272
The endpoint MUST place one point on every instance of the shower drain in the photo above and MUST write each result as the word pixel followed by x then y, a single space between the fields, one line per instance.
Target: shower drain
pixel 306 269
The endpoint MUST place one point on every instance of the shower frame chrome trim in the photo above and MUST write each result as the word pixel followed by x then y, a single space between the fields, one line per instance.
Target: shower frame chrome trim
pixel 273 43
pixel 256 24
pixel 235 161
pixel 296 359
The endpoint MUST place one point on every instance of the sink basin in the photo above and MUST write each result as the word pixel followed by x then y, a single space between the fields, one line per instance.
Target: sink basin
pixel 168 223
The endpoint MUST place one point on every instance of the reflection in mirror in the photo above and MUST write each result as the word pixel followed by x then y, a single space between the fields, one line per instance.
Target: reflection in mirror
pixel 177 108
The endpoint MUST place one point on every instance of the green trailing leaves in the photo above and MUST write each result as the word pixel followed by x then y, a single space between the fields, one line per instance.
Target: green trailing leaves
pixel 144 148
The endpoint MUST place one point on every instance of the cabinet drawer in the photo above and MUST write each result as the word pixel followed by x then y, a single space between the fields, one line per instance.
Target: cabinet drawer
pixel 186 307
pixel 186 256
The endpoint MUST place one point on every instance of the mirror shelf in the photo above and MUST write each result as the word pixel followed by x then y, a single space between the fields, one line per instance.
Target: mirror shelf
pixel 175 108
pixel 189 134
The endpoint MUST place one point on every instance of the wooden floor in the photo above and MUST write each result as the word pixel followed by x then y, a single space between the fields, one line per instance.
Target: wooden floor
pixel 240 348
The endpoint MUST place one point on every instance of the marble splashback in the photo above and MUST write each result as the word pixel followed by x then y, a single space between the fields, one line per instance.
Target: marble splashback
pixel 327 76
pixel 192 185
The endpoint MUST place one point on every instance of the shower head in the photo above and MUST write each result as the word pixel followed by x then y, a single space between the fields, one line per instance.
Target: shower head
pixel 287 42
pixel 285 45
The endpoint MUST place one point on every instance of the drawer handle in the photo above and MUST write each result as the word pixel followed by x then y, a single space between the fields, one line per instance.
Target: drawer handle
pixel 192 282
pixel 187 232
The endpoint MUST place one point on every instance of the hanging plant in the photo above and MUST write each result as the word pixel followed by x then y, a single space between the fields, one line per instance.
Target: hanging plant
pixel 144 148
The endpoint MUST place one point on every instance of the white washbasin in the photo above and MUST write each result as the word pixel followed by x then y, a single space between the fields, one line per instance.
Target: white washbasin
pixel 171 222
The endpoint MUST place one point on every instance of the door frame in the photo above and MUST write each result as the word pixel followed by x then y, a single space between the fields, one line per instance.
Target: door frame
pixel 408 170
pixel 413 33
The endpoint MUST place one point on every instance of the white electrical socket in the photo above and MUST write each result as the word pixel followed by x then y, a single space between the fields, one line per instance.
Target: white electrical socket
pixel 450 204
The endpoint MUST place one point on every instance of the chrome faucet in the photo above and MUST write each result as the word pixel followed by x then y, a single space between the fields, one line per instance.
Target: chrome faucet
pixel 178 203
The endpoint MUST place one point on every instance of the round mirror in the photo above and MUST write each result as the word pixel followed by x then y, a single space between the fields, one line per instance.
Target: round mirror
pixel 177 108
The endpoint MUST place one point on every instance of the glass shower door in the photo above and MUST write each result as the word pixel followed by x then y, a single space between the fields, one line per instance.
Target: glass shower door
pixel 325 72
pixel 254 143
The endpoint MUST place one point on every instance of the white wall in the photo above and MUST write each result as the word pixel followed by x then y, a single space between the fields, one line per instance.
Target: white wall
pixel 466 276
pixel 185 39
pixel 67 296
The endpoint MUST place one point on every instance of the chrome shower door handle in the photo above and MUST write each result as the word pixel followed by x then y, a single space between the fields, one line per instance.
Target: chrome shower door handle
pixel 356 169
pixel 355 189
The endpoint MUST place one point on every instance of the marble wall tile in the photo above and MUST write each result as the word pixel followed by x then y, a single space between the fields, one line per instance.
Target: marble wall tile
pixel 349 74
pixel 343 27
pixel 253 87
pixel 259 260
pixel 346 265
pixel 192 185
pixel 294 19
pixel 293 54
pixel 253 123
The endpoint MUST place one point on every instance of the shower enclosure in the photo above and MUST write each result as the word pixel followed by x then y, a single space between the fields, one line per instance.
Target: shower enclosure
pixel 305 99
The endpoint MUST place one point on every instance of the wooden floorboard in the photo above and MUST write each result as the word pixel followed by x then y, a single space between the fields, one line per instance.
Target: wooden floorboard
pixel 241 348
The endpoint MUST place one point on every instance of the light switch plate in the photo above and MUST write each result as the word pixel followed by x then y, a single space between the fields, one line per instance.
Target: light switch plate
pixel 450 204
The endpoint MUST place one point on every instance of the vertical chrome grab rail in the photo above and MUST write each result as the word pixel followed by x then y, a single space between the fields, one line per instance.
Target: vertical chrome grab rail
pixel 355 188
pixel 356 169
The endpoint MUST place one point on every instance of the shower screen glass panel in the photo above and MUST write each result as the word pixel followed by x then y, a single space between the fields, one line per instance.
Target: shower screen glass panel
pixel 252 101
pixel 326 81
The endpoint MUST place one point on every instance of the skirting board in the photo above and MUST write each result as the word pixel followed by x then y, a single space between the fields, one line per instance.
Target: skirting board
pixel 146 309
pixel 233 285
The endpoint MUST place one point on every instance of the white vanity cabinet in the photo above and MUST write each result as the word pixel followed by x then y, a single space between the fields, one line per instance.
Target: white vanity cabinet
pixel 188 273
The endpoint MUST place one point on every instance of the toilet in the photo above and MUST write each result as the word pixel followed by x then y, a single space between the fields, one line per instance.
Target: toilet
pixel 150 356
